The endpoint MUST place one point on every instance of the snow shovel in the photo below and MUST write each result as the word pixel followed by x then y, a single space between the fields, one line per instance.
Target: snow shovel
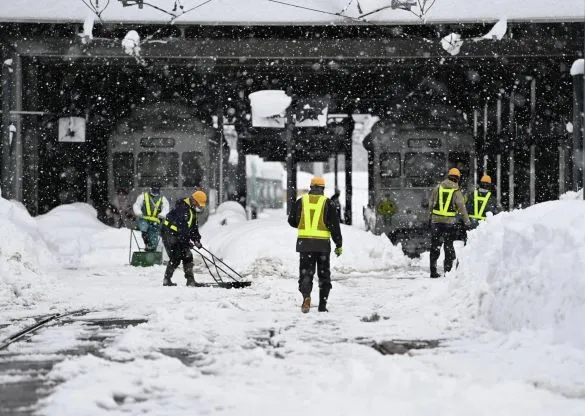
pixel 142 257
pixel 235 280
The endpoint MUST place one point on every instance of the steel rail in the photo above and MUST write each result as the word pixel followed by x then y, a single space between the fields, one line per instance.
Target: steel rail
pixel 32 328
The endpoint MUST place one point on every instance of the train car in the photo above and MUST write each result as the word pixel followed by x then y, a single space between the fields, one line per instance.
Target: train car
pixel 161 143
pixel 408 154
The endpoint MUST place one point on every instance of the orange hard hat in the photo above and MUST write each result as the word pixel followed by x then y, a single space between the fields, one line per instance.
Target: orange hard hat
pixel 318 181
pixel 486 179
pixel 200 197
pixel 454 172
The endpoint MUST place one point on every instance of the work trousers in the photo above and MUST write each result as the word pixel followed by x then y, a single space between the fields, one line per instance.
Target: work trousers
pixel 150 233
pixel 442 234
pixel 307 263
pixel 178 252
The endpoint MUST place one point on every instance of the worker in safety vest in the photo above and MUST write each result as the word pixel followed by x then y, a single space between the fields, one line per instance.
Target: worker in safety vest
pixel 180 233
pixel 150 208
pixel 481 201
pixel 445 202
pixel 315 217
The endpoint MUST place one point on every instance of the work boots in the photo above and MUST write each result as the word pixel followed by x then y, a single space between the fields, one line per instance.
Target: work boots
pixel 323 296
pixel 434 273
pixel 168 274
pixel 188 268
pixel 306 304
pixel 167 282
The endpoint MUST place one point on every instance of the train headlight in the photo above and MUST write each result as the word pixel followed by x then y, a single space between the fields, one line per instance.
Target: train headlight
pixel 386 207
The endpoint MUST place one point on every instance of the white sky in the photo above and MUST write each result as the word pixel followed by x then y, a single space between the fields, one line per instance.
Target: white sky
pixel 266 12
pixel 510 316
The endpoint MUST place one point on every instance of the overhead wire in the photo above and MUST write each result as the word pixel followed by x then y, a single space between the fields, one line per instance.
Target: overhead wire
pixel 319 11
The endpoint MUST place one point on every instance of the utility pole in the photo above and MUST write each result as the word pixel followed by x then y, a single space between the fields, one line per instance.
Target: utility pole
pixel 578 74
pixel 291 189
pixel 220 131
pixel 7 75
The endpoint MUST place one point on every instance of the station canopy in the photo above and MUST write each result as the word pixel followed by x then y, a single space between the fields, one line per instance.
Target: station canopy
pixel 289 12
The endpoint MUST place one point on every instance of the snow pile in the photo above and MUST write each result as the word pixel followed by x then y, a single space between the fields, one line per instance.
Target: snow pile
pixel 131 43
pixel 267 246
pixel 72 231
pixel 24 256
pixel 572 195
pixel 229 212
pixel 523 270
pixel 578 67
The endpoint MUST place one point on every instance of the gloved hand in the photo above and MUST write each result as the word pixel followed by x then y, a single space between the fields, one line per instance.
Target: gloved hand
pixel 338 251
pixel 196 244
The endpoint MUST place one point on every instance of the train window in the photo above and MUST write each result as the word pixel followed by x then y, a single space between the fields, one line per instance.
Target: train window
pixel 192 170
pixel 424 169
pixel 389 165
pixel 123 169
pixel 158 167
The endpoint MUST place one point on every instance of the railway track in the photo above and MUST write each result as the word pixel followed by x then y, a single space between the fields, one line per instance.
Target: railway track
pixel 23 380
pixel 31 329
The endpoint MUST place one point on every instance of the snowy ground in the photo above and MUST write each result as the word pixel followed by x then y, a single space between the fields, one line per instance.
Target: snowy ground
pixel 509 321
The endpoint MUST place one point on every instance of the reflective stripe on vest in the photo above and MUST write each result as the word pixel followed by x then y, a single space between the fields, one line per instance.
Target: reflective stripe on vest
pixel 173 227
pixel 311 224
pixel 478 211
pixel 151 214
pixel 443 204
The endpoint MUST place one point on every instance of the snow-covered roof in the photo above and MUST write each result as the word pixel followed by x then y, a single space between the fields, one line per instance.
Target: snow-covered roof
pixel 293 11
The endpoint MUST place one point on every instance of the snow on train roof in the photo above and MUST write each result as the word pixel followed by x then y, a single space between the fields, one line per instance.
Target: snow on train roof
pixel 295 12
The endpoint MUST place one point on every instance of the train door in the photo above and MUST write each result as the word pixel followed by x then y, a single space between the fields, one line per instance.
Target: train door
pixel 192 169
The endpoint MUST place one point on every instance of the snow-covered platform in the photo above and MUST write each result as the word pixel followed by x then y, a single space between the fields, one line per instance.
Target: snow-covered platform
pixel 508 322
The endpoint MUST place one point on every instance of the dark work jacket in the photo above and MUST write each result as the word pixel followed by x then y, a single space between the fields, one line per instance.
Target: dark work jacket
pixel 331 222
pixel 179 216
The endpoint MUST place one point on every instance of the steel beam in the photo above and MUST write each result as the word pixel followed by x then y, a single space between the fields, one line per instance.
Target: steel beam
pixel 214 51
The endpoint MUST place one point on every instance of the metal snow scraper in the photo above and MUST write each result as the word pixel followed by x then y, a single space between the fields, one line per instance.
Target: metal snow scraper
pixel 233 280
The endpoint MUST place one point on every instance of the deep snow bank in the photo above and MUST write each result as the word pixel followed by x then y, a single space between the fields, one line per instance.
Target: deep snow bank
pixel 525 270
pixel 24 256
pixel 572 195
pixel 33 250
pixel 73 231
pixel 267 246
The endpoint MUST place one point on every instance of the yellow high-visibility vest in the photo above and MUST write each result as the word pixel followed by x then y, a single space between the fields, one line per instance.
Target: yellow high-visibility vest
pixel 312 224
pixel 479 210
pixel 443 204
pixel 152 214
